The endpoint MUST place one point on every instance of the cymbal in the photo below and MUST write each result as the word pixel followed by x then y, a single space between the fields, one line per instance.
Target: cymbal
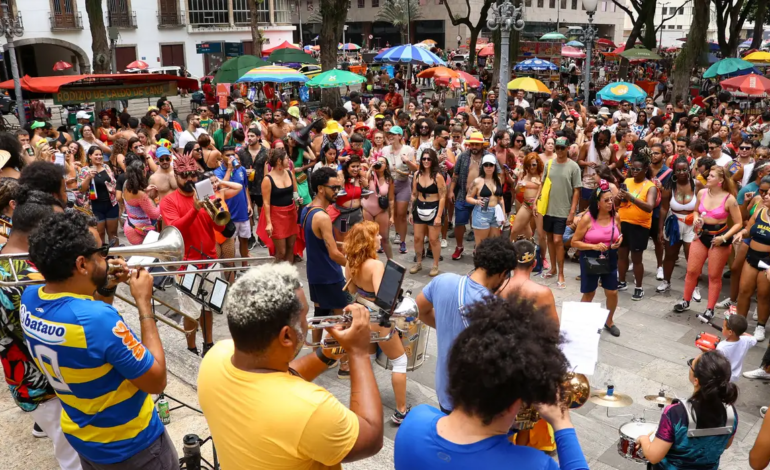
pixel 616 400
pixel 659 400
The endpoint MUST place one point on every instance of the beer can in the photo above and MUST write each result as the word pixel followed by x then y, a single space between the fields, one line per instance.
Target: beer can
pixel 163 411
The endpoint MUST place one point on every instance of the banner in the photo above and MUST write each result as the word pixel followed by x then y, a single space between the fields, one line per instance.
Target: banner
pixel 76 95
pixel 223 91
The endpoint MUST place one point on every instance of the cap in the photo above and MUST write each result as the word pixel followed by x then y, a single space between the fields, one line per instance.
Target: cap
pixel 396 130
pixel 161 151
pixel 82 115
pixel 489 159
pixel 562 142
pixel 239 101
pixel 379 116
pixel 39 124
pixel 361 125
pixel 604 111
pixel 293 112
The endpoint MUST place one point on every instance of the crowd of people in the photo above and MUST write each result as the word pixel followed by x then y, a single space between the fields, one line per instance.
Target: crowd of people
pixel 557 179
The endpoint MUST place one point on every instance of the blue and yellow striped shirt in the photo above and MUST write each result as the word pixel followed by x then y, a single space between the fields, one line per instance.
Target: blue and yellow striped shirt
pixel 89 356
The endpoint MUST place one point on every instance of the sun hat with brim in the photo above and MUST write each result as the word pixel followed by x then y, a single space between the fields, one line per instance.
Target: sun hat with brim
pixel 561 142
pixel 361 125
pixel 5 156
pixel 604 111
pixel 82 115
pixel 477 138
pixel 396 130
pixel 489 159
pixel 293 112
pixel 37 125
pixel 333 127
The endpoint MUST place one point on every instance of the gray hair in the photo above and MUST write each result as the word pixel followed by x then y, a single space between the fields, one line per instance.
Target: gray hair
pixel 261 303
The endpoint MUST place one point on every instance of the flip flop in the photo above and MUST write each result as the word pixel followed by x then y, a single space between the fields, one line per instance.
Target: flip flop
pixel 561 285
pixel 547 275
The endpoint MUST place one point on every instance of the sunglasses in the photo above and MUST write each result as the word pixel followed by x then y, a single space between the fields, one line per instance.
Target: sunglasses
pixel 335 188
pixel 103 251
pixel 689 363
pixel 635 169
pixel 488 165
pixel 559 147
pixel 745 148
pixel 519 141
pixel 570 120
pixel 187 174
pixel 426 159
pixel 164 159
pixel 424 127
pixel 196 149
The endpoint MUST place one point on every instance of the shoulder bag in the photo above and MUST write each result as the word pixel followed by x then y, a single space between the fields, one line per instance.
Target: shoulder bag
pixel 600 265
pixel 545 193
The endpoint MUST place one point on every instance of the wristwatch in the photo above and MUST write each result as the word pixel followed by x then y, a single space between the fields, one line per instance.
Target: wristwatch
pixel 326 360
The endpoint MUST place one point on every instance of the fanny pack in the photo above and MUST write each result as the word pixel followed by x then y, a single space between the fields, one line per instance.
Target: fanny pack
pixel 426 215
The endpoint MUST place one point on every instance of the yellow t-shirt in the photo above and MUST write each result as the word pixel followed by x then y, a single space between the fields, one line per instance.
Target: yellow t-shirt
pixel 630 212
pixel 271 420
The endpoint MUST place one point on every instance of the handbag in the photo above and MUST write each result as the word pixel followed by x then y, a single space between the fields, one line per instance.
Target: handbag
pixel 229 229
pixel 600 265
pixel 545 193
pixel 383 201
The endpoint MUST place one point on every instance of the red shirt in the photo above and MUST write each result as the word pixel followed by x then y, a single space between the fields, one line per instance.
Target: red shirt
pixel 394 100
pixel 196 227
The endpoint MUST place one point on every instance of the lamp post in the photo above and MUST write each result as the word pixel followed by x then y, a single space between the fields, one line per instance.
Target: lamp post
pixel 505 17
pixel 459 40
pixel 12 26
pixel 664 5
pixel 587 38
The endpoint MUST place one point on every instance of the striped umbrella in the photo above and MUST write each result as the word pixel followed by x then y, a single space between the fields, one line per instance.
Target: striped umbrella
pixel 273 74
pixel 408 54
pixel 348 47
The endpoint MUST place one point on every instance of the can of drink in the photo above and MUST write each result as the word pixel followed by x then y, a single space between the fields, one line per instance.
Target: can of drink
pixel 163 411
pixel 486 204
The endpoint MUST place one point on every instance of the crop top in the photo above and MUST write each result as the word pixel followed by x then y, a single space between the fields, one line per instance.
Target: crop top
pixel 425 190
pixel 760 231
pixel 718 212
pixel 678 206
pixel 353 192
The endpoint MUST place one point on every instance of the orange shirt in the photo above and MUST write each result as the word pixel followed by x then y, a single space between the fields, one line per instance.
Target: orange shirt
pixel 630 212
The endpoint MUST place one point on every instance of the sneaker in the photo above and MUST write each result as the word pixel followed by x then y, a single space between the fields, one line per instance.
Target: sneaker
pixel 343 374
pixel 444 243
pixel 663 287
pixel 622 286
pixel 38 432
pixel 415 269
pixel 638 294
pixel 759 374
pixel 259 242
pixel 754 316
pixel 630 267
pixel 458 253
pixel 759 333
pixel 469 237
pixel 397 239
pixel 252 242
pixel 681 306
pixel 706 316
pixel 659 276
pixel 696 294
pixel 398 417
pixel 206 347
pixel 763 412
pixel 194 351
pixel 402 248
pixel 727 303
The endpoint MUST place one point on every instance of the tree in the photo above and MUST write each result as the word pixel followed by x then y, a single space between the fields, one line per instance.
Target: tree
pixel 400 13
pixel 333 15
pixel 457 20
pixel 640 12
pixel 99 43
pixel 758 14
pixel 692 51
pixel 730 16
pixel 256 34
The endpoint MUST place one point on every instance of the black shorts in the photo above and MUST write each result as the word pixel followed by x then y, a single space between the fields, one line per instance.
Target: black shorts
pixel 590 282
pixel 635 237
pixel 425 206
pixel 753 257
pixel 328 296
pixel 554 225
pixel 104 210
pixel 655 228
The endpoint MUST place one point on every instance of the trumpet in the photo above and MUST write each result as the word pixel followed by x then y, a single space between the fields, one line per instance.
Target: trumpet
pixel 574 393
pixel 217 213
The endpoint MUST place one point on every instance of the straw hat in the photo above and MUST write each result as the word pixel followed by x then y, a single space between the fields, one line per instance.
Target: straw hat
pixel 477 138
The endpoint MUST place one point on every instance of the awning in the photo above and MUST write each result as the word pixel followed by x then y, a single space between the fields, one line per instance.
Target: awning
pixel 50 85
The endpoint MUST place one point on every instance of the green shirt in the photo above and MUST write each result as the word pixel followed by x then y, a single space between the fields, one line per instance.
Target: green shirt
pixel 77 132
pixel 367 148
pixel 219 139
pixel 565 177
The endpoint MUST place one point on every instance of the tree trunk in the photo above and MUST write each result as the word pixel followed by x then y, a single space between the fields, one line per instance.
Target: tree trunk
pixel 759 22
pixel 692 51
pixel 333 13
pixel 496 38
pixel 649 40
pixel 472 47
pixel 256 34
pixel 635 32
pixel 99 43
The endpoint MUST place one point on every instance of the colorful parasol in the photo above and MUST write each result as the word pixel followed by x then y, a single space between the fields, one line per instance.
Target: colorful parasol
pixel 273 74
pixel 750 85
pixel 575 44
pixel 486 51
pixel 235 68
pixel 619 91
pixel 430 41
pixel 553 36
pixel 758 57
pixel 283 45
pixel 528 84
pixel 572 52
pixel 534 65
pixel 335 78
pixel 408 54
pixel 137 64
pixel 605 42
pixel 61 65
pixel 348 47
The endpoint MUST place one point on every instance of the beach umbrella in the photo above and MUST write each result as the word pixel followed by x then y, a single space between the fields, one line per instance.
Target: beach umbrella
pixel 750 85
pixel 283 45
pixel 137 64
pixel 408 54
pixel 235 68
pixel 486 51
pixel 534 65
pixel 759 57
pixel 469 79
pixel 61 65
pixel 430 41
pixel 575 44
pixel 291 56
pixel 273 74
pixel 605 42
pixel 308 48
pixel 528 84
pixel 335 78
pixel 619 91
pixel 727 67
pixel 349 47
pixel 640 53
pixel 745 44
pixel 572 52
pixel 553 36
pixel 439 72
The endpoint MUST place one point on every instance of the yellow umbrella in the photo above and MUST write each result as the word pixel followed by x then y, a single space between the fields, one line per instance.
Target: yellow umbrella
pixel 528 84
pixel 759 56
pixel 430 41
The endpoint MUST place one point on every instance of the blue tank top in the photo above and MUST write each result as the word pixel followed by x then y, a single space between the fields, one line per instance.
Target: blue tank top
pixel 321 269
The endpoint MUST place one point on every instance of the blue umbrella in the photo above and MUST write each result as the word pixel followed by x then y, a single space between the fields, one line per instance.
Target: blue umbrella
pixel 575 44
pixel 619 91
pixel 532 65
pixel 408 54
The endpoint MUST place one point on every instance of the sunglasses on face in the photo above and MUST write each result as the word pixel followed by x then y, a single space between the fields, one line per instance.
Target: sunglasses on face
pixel 570 120
pixel 488 165
pixel 335 188
pixel 164 159
pixel 424 127
pixel 196 149
pixel 102 250
pixel 559 147
pixel 426 159
pixel 188 174
pixel 745 148
pixel 519 141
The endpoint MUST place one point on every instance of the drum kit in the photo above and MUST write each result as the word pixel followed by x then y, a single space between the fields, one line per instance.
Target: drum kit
pixel 631 430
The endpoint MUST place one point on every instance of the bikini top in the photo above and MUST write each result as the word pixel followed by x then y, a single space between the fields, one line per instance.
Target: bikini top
pixel 678 206
pixel 425 190
pixel 486 192
pixel 718 212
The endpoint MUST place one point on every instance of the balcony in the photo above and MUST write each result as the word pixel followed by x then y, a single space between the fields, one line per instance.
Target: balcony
pixel 171 19
pixel 122 19
pixel 66 21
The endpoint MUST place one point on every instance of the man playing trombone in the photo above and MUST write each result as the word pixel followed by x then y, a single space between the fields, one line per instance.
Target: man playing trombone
pixel 102 373
pixel 181 209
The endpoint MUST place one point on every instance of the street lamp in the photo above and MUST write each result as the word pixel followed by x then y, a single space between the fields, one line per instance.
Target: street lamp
pixel 587 38
pixel 505 17
pixel 459 40
pixel 11 26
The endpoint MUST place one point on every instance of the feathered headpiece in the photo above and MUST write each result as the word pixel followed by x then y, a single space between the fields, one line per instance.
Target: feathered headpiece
pixel 183 163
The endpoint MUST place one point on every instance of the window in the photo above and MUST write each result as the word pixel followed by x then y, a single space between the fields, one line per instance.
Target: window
pixel 574 4
pixel 527 3
pixel 680 11
pixel 670 26
pixel 309 5
pixel 210 12
pixel 614 7
pixel 375 3
pixel 118 14
pixel 551 3
pixel 663 11
pixel 540 3
pixel 282 12
pixel 63 15
pixel 242 15
pixel 361 4
pixel 563 4
pixel 169 14
pixel 679 26
pixel 604 6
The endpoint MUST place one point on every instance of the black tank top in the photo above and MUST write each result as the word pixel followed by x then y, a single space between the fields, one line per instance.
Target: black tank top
pixel 280 197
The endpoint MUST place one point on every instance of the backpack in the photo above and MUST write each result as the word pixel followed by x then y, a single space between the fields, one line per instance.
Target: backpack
pixel 659 185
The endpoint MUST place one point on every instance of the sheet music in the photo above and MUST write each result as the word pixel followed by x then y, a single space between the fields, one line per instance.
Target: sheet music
pixel 151 237
pixel 581 325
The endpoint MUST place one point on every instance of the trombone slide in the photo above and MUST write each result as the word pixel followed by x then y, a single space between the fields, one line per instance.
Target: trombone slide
pixel 163 318
pixel 330 342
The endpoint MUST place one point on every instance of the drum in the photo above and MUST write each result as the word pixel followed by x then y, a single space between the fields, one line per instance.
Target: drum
pixel 414 337
pixel 627 443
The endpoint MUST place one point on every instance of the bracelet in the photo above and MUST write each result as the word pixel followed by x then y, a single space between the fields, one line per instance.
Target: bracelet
pixel 326 360
pixel 106 291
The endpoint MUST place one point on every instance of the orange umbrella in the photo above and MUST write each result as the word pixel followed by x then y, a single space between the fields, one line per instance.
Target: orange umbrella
pixel 439 72
pixel 487 50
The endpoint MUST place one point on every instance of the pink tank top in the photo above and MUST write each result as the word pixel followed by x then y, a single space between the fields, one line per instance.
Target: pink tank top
pixel 370 203
pixel 717 213
pixel 600 234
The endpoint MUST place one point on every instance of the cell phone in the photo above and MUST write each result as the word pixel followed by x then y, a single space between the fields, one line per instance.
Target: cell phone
pixel 624 187
pixel 390 286
pixel 343 225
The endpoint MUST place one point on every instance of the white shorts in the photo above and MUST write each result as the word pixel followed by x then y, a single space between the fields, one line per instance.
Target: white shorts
pixel 242 229
pixel 686 232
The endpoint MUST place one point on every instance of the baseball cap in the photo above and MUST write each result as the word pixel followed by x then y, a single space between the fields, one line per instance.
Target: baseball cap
pixel 396 130
pixel 161 151
pixel 489 159
pixel 82 115
pixel 562 142
pixel 379 116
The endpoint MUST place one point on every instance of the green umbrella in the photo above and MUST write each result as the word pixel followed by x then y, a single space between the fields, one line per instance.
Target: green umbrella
pixel 235 68
pixel 727 66
pixel 554 36
pixel 639 52
pixel 335 78
pixel 291 56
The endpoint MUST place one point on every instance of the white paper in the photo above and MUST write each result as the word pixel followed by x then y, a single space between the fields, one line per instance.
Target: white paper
pixel 151 237
pixel 581 325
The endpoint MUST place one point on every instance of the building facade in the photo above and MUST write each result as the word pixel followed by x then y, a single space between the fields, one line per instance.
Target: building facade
pixel 159 32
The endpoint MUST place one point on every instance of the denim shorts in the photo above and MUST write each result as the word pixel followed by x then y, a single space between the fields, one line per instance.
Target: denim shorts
pixel 463 212
pixel 568 232
pixel 484 219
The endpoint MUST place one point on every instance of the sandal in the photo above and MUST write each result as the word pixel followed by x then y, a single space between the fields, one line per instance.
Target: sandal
pixel 561 285
pixel 546 275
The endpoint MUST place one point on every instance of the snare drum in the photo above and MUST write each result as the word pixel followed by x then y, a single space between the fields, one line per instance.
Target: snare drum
pixel 627 443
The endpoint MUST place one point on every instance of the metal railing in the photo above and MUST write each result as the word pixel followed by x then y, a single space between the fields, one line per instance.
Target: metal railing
pixel 65 21
pixel 121 19
pixel 171 19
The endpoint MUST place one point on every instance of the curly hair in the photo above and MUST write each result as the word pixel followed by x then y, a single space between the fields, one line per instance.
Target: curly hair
pixel 32 207
pixel 361 245
pixel 495 255
pixel 486 376
pixel 59 241
pixel 43 176
pixel 434 165
pixel 10 143
pixel 136 177
pixel 119 147
pixel 528 161
pixel 9 188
